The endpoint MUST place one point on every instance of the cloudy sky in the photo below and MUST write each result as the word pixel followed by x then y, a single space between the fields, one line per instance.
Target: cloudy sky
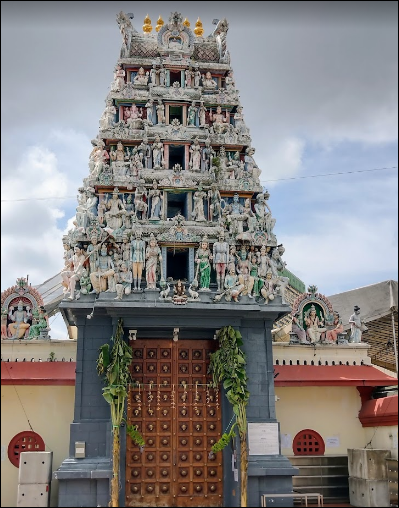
pixel 319 85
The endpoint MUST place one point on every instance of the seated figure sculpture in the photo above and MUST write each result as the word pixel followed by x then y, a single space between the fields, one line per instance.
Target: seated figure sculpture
pixel 141 77
pixel 19 317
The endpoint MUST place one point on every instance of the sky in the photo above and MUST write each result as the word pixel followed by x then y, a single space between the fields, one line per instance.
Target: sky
pixel 318 82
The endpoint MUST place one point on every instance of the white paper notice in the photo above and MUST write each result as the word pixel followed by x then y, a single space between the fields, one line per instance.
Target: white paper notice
pixel 286 440
pixel 236 475
pixel 332 442
pixel 263 439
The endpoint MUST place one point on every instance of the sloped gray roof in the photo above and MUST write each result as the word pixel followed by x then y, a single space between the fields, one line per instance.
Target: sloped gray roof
pixel 375 301
pixel 52 293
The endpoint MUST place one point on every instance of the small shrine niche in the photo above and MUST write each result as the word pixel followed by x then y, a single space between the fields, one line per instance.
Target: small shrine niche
pixel 177 203
pixel 178 263
pixel 23 315
pixel 177 155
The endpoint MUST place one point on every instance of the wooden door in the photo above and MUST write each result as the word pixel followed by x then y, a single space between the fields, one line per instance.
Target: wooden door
pixel 179 417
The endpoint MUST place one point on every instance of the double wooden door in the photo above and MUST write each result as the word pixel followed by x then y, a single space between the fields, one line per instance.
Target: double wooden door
pixel 179 416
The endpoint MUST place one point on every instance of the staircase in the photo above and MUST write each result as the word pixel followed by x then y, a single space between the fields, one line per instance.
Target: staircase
pixel 326 474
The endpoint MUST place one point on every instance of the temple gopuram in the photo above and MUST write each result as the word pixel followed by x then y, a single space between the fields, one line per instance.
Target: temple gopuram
pixel 175 237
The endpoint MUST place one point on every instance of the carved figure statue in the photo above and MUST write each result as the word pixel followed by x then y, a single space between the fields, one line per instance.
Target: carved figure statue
pixel 138 258
pixel 220 257
pixel 141 78
pixel 189 74
pixel 19 317
pixel 276 263
pixel 202 115
pixel 156 201
pixel 140 204
pixel 41 323
pixel 150 110
pixel 239 123
pixel 153 257
pixel 203 257
pixel 72 273
pixel 135 118
pixel 119 79
pixel 195 156
pixel 4 316
pixel 214 203
pixel 153 75
pixel 85 282
pixel 179 293
pixel 314 325
pixel 232 286
pixel 108 117
pixel 207 82
pixel 332 335
pixel 162 75
pixel 198 212
pixel 160 112
pixel 103 278
pixel 123 281
pixel 116 211
pixel 298 329
pixel 268 289
pixel 229 80
pixel 126 28
pixel 197 78
pixel 157 154
pixel 220 121
pixel 357 326
pixel 144 151
pixel 191 114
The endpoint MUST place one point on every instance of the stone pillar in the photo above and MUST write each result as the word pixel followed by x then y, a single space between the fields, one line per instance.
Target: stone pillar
pixel 268 473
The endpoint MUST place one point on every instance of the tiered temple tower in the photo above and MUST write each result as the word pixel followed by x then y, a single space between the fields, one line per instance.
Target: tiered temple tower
pixel 174 235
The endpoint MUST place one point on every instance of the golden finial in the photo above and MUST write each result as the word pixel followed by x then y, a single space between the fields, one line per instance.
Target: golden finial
pixel 147 27
pixel 160 23
pixel 198 30
pixel 186 23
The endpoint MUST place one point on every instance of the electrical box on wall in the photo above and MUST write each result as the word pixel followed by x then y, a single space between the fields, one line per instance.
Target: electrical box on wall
pixel 35 467
pixel 33 494
pixel 34 479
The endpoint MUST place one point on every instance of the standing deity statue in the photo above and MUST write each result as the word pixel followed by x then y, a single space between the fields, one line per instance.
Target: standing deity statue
pixel 150 110
pixel 153 257
pixel 197 77
pixel 229 80
pixel 161 76
pixel 160 112
pixel 73 271
pixel 214 203
pixel 207 154
pixel 107 119
pixel 156 197
pixel 189 77
pixel 357 326
pixel 220 258
pixel 126 28
pixel 191 114
pixel 198 212
pixel 144 151
pixel 202 115
pixel 203 257
pixel 119 79
pixel 140 201
pixel 157 154
pixel 153 75
pixel 138 258
pixel 195 155
pixel 239 121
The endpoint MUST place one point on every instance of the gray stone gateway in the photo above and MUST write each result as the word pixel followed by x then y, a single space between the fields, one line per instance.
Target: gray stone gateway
pixel 174 236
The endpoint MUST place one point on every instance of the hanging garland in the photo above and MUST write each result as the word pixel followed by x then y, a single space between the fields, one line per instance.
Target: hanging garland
pixel 227 365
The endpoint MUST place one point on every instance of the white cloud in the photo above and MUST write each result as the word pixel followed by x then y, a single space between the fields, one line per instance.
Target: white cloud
pixel 341 250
